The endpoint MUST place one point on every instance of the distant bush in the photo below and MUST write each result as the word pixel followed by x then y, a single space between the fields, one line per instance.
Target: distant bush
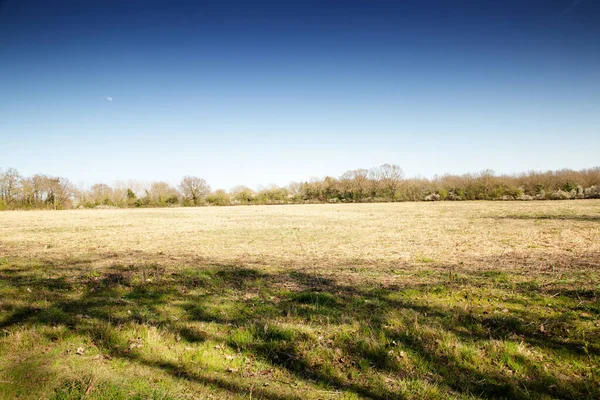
pixel 525 197
pixel 218 198
pixel 141 202
pixel 87 204
pixel 241 195
pixel 443 194
pixel 433 197
pixel 593 192
pixel 171 200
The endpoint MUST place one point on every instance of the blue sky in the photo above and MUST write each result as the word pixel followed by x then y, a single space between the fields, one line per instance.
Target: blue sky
pixel 270 92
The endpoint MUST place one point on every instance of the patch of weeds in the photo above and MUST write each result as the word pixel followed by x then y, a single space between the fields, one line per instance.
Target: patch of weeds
pixel 424 259
pixel 86 387
pixel 314 298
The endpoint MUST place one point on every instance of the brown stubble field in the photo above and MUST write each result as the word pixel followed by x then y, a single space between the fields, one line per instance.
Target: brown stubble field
pixel 395 300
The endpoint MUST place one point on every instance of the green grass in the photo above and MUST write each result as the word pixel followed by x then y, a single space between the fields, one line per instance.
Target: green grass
pixel 229 331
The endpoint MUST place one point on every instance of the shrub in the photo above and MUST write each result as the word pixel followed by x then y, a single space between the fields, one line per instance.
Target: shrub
pixel 593 192
pixel 433 197
pixel 443 194
pixel 541 195
pixel 87 204
pixel 561 195
pixel 242 195
pixel 454 196
pixel 171 200
pixel 218 198
pixel 141 202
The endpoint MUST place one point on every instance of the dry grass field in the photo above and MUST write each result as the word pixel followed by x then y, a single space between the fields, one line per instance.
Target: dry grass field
pixel 383 301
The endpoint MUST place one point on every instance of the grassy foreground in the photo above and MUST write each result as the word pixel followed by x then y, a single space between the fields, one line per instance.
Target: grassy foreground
pixel 382 301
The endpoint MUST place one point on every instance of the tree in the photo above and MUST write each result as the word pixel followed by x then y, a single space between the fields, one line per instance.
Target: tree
pixel 388 177
pixel 101 193
pixel 10 185
pixel 486 177
pixel 162 194
pixel 242 195
pixel 27 192
pixel 194 190
pixel 39 189
pixel 356 183
pixel 60 192
pixel 294 190
pixel 218 198
pixel 271 195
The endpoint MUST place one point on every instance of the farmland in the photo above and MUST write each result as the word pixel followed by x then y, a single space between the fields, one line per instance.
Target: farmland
pixel 346 301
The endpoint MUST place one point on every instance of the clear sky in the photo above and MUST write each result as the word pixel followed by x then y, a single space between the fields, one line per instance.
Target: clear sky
pixel 269 92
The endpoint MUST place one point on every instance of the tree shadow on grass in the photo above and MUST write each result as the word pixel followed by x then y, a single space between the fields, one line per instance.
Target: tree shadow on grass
pixel 367 339
pixel 559 217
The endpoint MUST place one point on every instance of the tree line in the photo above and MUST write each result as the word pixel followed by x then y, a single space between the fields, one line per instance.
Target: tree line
pixel 385 183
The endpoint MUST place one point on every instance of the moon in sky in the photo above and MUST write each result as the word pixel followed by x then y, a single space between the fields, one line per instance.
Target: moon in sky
pixel 109 98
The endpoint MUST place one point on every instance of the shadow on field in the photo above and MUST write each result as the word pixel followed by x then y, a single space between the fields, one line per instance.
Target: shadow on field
pixel 469 335
pixel 560 217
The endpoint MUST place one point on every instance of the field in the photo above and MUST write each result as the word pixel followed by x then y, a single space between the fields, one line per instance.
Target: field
pixel 383 301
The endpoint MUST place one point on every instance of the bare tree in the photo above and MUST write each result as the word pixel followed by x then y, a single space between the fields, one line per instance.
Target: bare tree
pixel 242 195
pixel 194 190
pixel 60 192
pixel 356 182
pixel 486 177
pixel 161 194
pixel 101 193
pixel 294 189
pixel 39 183
pixel 10 185
pixel 120 193
pixel 388 176
pixel 27 192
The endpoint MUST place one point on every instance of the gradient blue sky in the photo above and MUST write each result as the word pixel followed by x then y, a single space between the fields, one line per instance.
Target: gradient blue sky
pixel 270 92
